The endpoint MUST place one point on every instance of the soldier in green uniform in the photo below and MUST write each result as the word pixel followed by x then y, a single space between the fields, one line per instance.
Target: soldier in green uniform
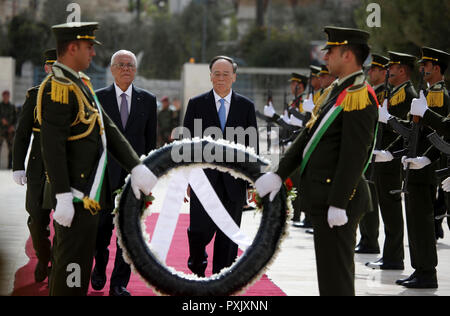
pixel 370 223
pixel 34 176
pixel 421 188
pixel 434 63
pixel 76 136
pixel 165 122
pixel 298 84
pixel 8 120
pixel 333 152
pixel 388 172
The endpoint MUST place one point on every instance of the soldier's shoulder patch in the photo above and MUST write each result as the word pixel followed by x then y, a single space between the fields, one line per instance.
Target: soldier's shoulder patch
pixel 60 87
pixel 32 90
pixel 398 97
pixel 356 97
pixel 435 98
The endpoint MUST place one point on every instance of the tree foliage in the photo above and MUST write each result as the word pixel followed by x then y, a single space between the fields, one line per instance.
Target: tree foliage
pixel 27 40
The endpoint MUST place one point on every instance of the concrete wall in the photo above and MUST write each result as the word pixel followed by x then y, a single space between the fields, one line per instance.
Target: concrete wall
pixel 7 74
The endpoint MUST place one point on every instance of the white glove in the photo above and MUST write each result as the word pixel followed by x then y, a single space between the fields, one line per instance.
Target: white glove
pixel 419 106
pixel 20 177
pixel 268 183
pixel 64 210
pixel 383 114
pixel 269 111
pixel 308 104
pixel 295 121
pixel 382 156
pixel 336 216
pixel 142 179
pixel 286 119
pixel 446 185
pixel 415 163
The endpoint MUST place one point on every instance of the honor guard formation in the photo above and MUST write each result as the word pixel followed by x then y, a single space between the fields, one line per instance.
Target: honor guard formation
pixel 355 142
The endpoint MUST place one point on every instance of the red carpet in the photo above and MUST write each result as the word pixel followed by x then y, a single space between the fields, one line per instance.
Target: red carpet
pixel 24 279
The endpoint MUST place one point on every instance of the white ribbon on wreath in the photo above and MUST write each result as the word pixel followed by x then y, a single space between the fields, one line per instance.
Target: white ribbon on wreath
pixel 168 217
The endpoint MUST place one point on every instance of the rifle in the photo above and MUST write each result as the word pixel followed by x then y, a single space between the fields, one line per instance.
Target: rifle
pixel 387 96
pixel 443 147
pixel 412 139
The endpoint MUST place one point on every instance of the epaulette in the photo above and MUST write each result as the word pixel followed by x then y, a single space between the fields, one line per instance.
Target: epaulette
pixel 399 96
pixel 31 90
pixel 60 86
pixel 356 96
pixel 435 97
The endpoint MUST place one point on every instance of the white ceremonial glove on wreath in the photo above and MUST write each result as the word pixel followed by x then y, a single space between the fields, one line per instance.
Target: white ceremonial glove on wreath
pixel 383 114
pixel 286 119
pixel 308 104
pixel 142 179
pixel 295 121
pixel 64 210
pixel 382 156
pixel 415 163
pixel 269 111
pixel 336 216
pixel 419 106
pixel 446 185
pixel 20 177
pixel 268 183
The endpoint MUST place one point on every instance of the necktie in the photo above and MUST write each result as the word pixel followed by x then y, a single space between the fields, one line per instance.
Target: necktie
pixel 124 110
pixel 222 114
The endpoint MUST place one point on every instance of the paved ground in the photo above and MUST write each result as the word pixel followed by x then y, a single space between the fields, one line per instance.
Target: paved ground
pixel 293 270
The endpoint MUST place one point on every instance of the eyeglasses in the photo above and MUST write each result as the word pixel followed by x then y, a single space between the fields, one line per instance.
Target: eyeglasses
pixel 122 66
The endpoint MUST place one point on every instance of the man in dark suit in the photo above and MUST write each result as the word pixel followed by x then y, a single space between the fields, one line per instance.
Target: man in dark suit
pixel 332 153
pixel 133 110
pixel 225 109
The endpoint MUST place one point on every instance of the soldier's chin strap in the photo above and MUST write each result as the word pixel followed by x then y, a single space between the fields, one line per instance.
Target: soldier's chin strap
pixel 172 204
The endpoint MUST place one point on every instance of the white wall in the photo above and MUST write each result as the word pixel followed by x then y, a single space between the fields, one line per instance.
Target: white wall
pixel 195 80
pixel 7 75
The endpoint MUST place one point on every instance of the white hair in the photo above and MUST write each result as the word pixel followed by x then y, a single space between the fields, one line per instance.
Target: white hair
pixel 123 52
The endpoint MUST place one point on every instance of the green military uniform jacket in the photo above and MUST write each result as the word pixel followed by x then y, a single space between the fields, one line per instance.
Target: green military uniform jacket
pixel 71 134
pixel 35 171
pixel 7 111
pixel 334 172
pixel 439 102
pixel 439 123
pixel 399 106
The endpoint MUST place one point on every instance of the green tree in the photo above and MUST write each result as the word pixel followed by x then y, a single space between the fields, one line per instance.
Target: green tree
pixel 27 40
pixel 407 25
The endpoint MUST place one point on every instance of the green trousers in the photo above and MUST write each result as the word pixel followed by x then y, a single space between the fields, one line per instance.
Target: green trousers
pixel 388 177
pixel 38 221
pixel 73 253
pixel 370 223
pixel 335 252
pixel 420 224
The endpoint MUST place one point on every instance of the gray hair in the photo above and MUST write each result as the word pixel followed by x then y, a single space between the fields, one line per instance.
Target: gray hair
pixel 124 52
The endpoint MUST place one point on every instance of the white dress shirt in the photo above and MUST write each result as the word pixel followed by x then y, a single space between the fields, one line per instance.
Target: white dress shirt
pixel 227 102
pixel 119 96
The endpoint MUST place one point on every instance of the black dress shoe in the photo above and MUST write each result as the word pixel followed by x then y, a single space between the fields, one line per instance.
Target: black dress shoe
pixel 368 250
pixel 381 265
pixel 310 231
pixel 421 282
pixel 305 224
pixel 98 279
pixel 119 291
pixel 401 281
pixel 41 271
